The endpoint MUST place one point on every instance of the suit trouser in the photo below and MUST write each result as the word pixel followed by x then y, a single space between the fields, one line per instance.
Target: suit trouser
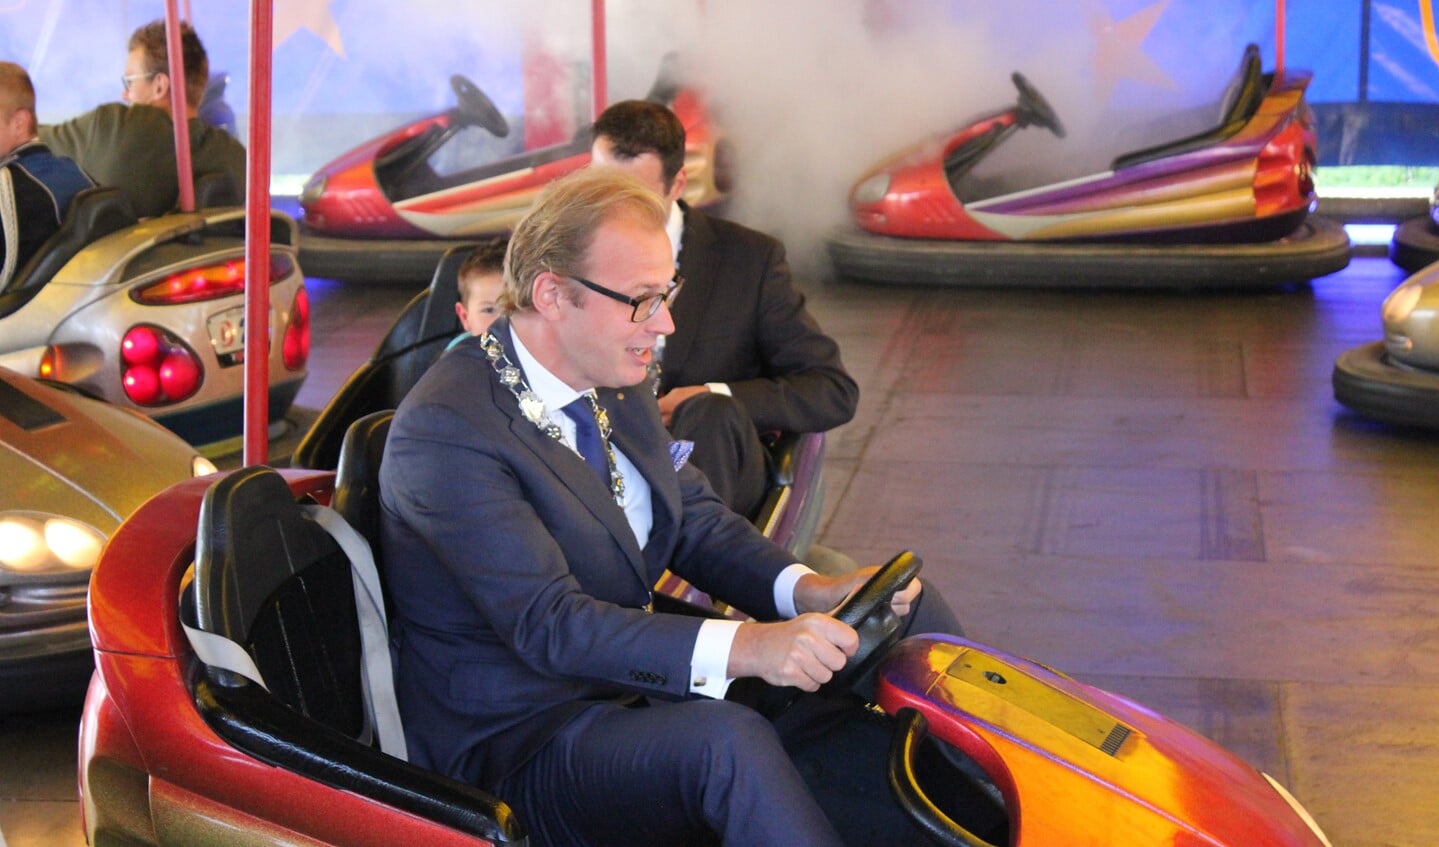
pixel 670 773
pixel 727 449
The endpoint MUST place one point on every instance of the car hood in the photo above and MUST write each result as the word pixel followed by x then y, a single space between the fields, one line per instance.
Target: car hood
pixel 67 454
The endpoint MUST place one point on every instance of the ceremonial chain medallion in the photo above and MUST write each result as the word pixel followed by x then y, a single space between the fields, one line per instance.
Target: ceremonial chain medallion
pixel 533 408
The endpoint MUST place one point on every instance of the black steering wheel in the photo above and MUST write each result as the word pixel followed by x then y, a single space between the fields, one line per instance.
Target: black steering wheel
pixel 869 613
pixel 1034 109
pixel 475 107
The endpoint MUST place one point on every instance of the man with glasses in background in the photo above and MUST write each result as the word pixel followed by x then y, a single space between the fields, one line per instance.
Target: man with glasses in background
pixel 745 356
pixel 531 498
pixel 134 148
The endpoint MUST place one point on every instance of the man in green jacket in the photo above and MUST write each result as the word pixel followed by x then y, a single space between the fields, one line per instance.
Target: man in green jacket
pixel 133 147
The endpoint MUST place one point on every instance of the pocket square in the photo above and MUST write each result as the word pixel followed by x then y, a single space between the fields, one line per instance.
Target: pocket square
pixel 680 452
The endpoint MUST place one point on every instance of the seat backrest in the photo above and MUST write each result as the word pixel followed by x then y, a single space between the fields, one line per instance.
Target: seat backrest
pixel 414 342
pixel 216 188
pixel 357 478
pixel 93 214
pixel 277 584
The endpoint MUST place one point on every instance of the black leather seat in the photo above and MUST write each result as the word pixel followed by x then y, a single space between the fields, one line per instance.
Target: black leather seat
pixel 215 188
pixel 424 328
pixel 1241 100
pixel 357 479
pixel 275 583
pixel 93 214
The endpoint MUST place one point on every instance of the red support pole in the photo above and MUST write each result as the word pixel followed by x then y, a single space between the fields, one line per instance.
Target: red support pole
pixel 179 108
pixel 257 238
pixel 1278 37
pixel 597 29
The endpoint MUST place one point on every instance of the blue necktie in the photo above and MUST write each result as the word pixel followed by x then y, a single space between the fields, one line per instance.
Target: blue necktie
pixel 587 437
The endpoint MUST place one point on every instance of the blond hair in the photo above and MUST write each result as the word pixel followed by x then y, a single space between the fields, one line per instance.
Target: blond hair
pixel 556 233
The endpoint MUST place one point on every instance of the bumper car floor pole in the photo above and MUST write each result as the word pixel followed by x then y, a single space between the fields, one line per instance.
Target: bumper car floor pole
pixel 597 34
pixel 178 109
pixel 257 238
pixel 1278 37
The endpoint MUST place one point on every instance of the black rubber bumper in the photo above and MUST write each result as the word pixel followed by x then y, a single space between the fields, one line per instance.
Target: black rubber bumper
pixel 389 261
pixel 1318 247
pixel 1367 381
pixel 1415 244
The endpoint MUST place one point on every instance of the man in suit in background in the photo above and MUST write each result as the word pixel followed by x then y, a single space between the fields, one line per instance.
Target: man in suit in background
pixel 531 497
pixel 745 355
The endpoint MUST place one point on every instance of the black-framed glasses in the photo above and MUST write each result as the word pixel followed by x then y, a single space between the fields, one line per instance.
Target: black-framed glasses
pixel 130 79
pixel 644 307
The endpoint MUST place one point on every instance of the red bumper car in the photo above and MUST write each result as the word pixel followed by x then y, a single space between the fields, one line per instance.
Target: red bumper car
pixel 457 175
pixel 1225 207
pixel 269 718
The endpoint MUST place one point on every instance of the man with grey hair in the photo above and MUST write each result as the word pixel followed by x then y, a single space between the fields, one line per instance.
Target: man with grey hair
pixel 531 499
pixel 36 186
pixel 133 147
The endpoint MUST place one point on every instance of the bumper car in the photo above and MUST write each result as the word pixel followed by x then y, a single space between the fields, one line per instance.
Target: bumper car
pixel 789 514
pixel 241 686
pixel 1227 207
pixel 148 314
pixel 1396 380
pixel 62 455
pixel 1416 240
pixel 459 174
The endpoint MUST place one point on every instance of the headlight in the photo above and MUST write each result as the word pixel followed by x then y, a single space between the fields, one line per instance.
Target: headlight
pixel 312 190
pixel 1400 303
pixel 1299 810
pixel 35 543
pixel 201 466
pixel 872 190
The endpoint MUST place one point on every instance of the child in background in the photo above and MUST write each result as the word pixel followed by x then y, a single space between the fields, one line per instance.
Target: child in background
pixel 479 281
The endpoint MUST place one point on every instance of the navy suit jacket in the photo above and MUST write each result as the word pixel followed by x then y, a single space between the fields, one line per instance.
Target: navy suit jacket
pixel 740 320
pixel 519 590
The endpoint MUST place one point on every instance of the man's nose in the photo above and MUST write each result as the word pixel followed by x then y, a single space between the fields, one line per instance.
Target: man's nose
pixel 662 322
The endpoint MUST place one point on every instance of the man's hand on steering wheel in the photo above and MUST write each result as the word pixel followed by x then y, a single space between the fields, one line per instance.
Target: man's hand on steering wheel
pixel 803 652
pixel 824 652
pixel 819 593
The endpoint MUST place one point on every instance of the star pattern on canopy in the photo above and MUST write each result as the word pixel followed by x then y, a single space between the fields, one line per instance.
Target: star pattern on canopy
pixel 291 16
pixel 1118 54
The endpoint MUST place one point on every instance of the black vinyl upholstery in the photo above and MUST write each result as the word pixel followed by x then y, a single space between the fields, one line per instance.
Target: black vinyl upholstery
pixel 1241 102
pixel 93 214
pixel 357 479
pixel 216 188
pixel 276 583
pixel 417 338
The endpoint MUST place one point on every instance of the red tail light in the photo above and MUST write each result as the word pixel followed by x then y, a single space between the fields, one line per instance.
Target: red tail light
pixel 194 285
pixel 296 348
pixel 157 368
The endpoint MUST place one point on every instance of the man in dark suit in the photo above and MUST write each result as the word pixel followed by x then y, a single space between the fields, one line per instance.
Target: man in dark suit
pixel 531 497
pixel 745 356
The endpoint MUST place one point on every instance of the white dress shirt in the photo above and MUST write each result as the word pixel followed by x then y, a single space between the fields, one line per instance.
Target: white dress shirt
pixel 709 660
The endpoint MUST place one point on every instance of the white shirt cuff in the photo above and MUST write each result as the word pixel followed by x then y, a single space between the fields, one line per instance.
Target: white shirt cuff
pixel 719 388
pixel 784 589
pixel 710 660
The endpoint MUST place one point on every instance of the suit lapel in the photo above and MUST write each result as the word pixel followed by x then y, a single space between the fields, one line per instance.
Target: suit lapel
pixel 699 265
pixel 567 466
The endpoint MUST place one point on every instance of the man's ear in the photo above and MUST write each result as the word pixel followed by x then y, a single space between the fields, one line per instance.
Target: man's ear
pixel 677 187
pixel 161 81
pixel 547 292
